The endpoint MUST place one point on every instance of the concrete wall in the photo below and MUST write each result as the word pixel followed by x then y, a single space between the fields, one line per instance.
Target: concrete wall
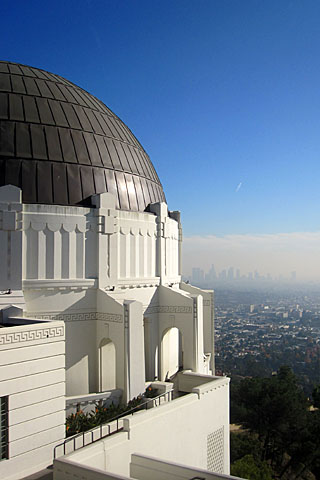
pixel 141 468
pixel 145 468
pixel 65 469
pixel 72 245
pixel 11 247
pixel 208 319
pixel 32 374
pixel 60 262
pixel 93 315
pixel 191 430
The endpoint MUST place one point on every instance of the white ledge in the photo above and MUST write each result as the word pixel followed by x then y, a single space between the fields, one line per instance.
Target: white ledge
pixel 60 283
pixel 138 282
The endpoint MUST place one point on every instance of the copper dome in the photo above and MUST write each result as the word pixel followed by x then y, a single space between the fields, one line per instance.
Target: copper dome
pixel 61 145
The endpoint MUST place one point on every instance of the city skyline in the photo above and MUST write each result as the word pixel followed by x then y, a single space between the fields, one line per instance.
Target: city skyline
pixel 274 254
pixel 233 274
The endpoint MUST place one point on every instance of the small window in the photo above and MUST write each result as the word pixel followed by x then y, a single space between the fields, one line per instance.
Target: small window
pixel 3 428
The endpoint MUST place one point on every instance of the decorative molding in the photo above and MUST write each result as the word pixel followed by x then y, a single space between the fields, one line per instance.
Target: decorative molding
pixel 30 335
pixel 64 283
pixel 206 303
pixel 10 216
pixel 56 224
pixel 195 310
pixel 126 316
pixel 215 451
pixel 109 317
pixel 169 309
pixel 138 283
pixel 137 230
pixel 79 317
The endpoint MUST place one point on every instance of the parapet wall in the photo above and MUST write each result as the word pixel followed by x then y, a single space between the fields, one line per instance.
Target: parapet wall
pixel 192 430
pixel 32 379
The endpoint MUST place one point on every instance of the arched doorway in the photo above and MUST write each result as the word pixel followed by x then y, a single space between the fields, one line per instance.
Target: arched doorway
pixel 107 365
pixel 171 352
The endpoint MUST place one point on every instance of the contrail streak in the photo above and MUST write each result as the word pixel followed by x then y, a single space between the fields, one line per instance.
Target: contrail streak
pixel 238 187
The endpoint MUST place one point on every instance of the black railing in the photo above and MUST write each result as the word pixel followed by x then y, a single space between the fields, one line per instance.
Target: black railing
pixel 114 425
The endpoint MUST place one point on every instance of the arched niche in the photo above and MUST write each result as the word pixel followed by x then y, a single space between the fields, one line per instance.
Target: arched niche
pixel 171 357
pixel 107 365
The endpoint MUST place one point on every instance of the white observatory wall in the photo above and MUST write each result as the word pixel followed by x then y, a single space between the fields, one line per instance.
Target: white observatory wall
pixel 192 430
pixel 172 248
pixel 62 247
pixel 69 254
pixel 136 246
pixel 32 374
pixel 59 243
pixel 139 248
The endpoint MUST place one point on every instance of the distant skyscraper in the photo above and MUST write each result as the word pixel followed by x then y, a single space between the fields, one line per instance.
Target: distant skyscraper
pixel 230 274
pixel 223 275
pixel 211 275
pixel 197 275
pixel 238 274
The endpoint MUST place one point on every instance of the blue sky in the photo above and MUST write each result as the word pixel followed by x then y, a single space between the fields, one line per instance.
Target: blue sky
pixel 220 94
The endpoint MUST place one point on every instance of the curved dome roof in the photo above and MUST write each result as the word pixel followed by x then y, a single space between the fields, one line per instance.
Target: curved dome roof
pixel 61 145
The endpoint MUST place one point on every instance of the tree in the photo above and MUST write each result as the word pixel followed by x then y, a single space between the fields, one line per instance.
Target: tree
pixel 276 410
pixel 242 444
pixel 316 396
pixel 248 467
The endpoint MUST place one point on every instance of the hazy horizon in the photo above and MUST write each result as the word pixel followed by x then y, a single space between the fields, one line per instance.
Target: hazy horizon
pixel 274 254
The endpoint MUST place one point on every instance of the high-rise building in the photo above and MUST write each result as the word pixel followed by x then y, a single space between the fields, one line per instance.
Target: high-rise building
pixel 223 275
pixel 212 275
pixel 230 274
pixel 197 275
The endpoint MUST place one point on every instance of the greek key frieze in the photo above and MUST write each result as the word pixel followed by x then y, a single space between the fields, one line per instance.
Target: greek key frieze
pixel 80 317
pixel 30 335
pixel 109 317
pixel 169 309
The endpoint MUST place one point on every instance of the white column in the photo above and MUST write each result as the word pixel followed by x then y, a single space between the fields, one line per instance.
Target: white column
pixel 11 220
pixel 198 354
pixel 41 260
pixel 72 255
pixel 65 254
pixel 80 254
pixel 57 254
pixel 134 349
pixel 161 210
pixel 107 239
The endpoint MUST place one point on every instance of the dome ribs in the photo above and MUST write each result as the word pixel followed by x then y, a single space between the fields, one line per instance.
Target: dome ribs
pixel 61 145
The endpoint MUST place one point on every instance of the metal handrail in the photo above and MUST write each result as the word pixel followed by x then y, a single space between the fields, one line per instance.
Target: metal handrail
pixel 100 427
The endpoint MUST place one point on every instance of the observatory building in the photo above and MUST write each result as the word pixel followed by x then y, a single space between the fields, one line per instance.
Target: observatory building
pixel 92 307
